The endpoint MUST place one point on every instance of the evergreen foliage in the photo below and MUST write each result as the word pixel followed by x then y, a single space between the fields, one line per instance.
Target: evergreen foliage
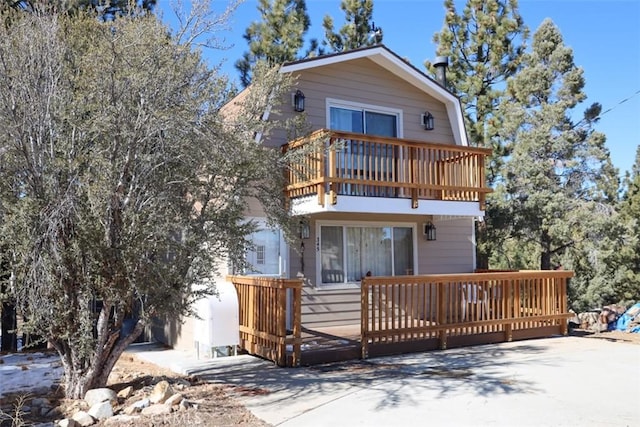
pixel 485 45
pixel 556 180
pixel 277 38
pixel 358 30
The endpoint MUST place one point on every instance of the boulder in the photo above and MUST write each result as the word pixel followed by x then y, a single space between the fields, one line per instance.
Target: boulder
pixel 68 422
pixel 83 419
pixel 119 420
pixel 136 407
pixel 161 409
pixel 126 392
pixel 40 401
pixel 101 411
pixel 99 395
pixel 174 399
pixel 161 392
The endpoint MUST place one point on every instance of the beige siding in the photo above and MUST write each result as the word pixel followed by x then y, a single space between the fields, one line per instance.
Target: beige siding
pixel 452 252
pixel 362 81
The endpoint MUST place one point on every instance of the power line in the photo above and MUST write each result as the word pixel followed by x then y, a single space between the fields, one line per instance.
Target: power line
pixel 620 102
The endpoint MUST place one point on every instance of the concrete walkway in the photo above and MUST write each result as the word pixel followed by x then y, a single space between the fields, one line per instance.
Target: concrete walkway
pixel 565 381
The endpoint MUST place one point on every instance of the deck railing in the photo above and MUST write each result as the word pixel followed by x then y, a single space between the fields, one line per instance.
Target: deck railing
pixel 263 317
pixel 435 310
pixel 344 163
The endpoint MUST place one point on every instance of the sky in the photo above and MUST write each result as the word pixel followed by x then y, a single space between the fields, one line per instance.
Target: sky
pixel 604 36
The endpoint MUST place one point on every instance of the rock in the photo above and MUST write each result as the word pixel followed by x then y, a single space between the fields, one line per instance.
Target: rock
pixel 140 404
pixel 161 392
pixel 126 392
pixel 47 424
pixel 119 420
pixel 174 399
pixel 53 413
pixel 185 404
pixel 83 418
pixel 99 395
pixel 40 401
pixel 157 410
pixel 101 410
pixel 136 407
pixel 68 422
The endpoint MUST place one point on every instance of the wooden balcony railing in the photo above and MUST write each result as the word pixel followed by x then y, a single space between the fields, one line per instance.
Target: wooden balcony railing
pixel 344 163
pixel 263 315
pixel 417 313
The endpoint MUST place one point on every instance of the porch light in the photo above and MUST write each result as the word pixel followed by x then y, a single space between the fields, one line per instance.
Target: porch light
pixel 429 231
pixel 298 101
pixel 427 120
pixel 305 230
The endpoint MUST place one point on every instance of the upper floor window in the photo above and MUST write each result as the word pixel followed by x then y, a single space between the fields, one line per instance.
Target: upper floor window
pixel 361 118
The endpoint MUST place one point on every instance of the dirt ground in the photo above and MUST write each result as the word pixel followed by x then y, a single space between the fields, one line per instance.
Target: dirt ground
pixel 215 405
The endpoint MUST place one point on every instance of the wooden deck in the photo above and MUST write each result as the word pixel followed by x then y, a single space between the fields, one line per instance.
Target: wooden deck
pixel 342 163
pixel 404 314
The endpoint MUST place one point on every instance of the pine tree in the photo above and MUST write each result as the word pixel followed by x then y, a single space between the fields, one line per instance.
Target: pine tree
pixel 556 179
pixel 277 38
pixel 628 253
pixel 484 45
pixel 359 29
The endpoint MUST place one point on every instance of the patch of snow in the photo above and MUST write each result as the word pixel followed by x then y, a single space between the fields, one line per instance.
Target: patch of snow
pixel 28 372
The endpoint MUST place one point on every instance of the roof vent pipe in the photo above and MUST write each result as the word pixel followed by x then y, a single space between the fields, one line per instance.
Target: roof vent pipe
pixel 441 63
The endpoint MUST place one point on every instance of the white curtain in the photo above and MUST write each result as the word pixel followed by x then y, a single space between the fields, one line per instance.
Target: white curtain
pixel 403 251
pixel 332 254
pixel 379 251
pixel 368 250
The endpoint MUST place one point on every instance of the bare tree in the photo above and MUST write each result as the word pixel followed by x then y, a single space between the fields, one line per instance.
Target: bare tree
pixel 120 182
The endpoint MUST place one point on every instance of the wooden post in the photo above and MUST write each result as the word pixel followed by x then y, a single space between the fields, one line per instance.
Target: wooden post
pixel 332 173
pixel 442 315
pixel 562 284
pixel 321 172
pixel 364 318
pixel 281 319
pixel 413 177
pixel 297 325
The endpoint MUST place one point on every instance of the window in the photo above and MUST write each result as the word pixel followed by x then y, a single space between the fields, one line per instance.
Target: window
pixel 348 253
pixel 361 120
pixel 260 254
pixel 264 255
pixel 353 161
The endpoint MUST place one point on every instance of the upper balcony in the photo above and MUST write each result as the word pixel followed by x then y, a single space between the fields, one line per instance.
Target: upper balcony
pixel 350 172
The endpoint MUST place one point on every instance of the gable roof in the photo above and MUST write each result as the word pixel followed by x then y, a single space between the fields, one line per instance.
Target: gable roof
pixel 393 63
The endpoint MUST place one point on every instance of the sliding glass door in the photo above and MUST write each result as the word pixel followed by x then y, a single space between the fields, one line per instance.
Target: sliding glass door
pixel 348 253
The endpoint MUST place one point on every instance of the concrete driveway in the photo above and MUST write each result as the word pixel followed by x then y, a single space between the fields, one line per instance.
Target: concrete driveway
pixel 564 381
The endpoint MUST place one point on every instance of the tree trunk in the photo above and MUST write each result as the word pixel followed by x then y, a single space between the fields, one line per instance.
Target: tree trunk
pixel 545 253
pixel 84 374
pixel 8 324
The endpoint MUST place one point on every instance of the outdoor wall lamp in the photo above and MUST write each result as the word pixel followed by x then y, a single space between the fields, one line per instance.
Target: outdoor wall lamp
pixel 305 230
pixel 427 121
pixel 429 231
pixel 298 101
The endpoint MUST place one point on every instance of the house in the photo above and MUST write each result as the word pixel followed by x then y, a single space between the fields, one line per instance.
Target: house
pixel 392 190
